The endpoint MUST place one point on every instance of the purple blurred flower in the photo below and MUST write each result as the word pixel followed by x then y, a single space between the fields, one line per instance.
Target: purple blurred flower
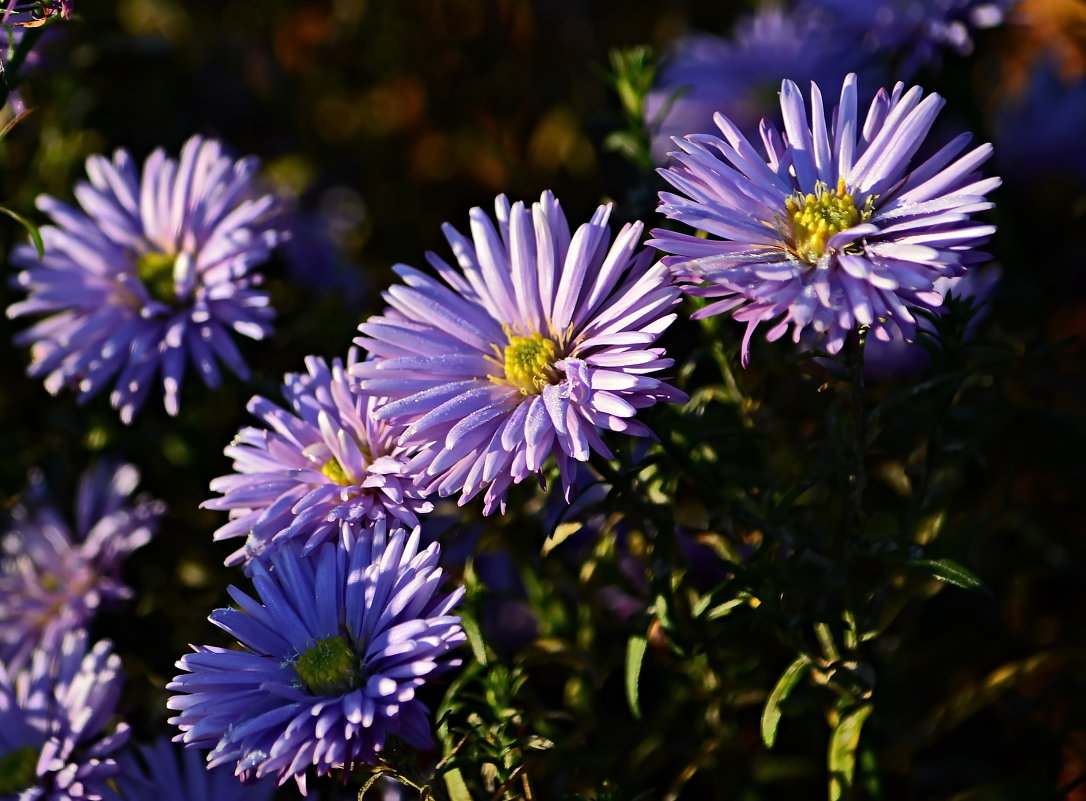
pixel 539 341
pixel 53 581
pixel 174 773
pixel 151 272
pixel 328 468
pixel 739 76
pixel 52 717
pixel 335 650
pixel 834 230
pixel 915 32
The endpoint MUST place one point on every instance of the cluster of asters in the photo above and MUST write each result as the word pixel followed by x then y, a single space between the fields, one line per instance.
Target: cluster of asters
pixel 535 343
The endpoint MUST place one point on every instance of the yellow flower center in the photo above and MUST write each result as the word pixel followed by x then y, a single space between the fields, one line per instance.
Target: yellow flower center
pixel 156 271
pixel 817 217
pixel 17 770
pixel 328 667
pixel 527 362
pixel 335 472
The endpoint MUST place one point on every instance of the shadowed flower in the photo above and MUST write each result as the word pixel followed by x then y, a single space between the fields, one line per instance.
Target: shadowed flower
pixel 538 341
pixel 151 272
pixel 52 716
pixel 914 33
pixel 169 772
pixel 334 652
pixel 703 74
pixel 836 228
pixel 52 581
pixel 32 13
pixel 328 468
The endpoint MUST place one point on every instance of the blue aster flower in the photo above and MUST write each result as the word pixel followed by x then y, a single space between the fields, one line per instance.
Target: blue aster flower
pixel 152 272
pixel 334 652
pixel 533 344
pixel 702 74
pixel 169 772
pixel 53 718
pixel 837 227
pixel 53 580
pixel 326 468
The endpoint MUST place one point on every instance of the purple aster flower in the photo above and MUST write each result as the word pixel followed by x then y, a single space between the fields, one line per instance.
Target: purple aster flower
pixel 539 340
pixel 837 227
pixel 916 32
pixel 703 74
pixel 168 772
pixel 151 272
pixel 328 468
pixel 53 581
pixel 52 719
pixel 334 653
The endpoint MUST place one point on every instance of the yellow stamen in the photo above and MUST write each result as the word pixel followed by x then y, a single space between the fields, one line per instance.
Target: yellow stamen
pixel 335 472
pixel 155 269
pixel 328 667
pixel 815 218
pixel 528 363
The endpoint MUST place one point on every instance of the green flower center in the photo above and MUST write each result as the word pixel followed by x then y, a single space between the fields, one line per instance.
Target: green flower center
pixel 335 472
pixel 328 667
pixel 527 362
pixel 817 217
pixel 17 770
pixel 156 271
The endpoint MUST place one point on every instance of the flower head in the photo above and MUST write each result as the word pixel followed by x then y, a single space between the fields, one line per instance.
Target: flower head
pixel 52 717
pixel 703 74
pixel 169 772
pixel 536 341
pixel 53 581
pixel 326 467
pixel 837 227
pixel 334 652
pixel 150 272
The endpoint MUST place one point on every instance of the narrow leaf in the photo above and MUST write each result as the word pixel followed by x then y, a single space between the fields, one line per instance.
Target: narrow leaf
pixel 635 657
pixel 35 235
pixel 952 573
pixel 843 744
pixel 454 783
pixel 475 638
pixel 771 714
pixel 561 533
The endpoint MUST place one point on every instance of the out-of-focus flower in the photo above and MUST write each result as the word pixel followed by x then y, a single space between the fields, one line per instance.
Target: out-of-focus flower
pixel 151 272
pixel 314 253
pixel 538 341
pixel 168 772
pixel 329 468
pixel 837 228
pixel 334 652
pixel 703 74
pixel 912 33
pixel 52 719
pixel 52 581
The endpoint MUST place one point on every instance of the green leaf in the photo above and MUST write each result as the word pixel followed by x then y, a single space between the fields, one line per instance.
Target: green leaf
pixel 635 657
pixel 843 744
pixel 475 638
pixel 952 573
pixel 561 533
pixel 31 229
pixel 771 713
pixel 454 783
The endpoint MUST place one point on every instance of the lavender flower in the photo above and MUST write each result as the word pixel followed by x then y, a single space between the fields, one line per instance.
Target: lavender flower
pixel 335 650
pixel 52 581
pixel 150 272
pixel 915 32
pixel 173 773
pixel 328 468
pixel 832 231
pixel 703 74
pixel 539 341
pixel 52 717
